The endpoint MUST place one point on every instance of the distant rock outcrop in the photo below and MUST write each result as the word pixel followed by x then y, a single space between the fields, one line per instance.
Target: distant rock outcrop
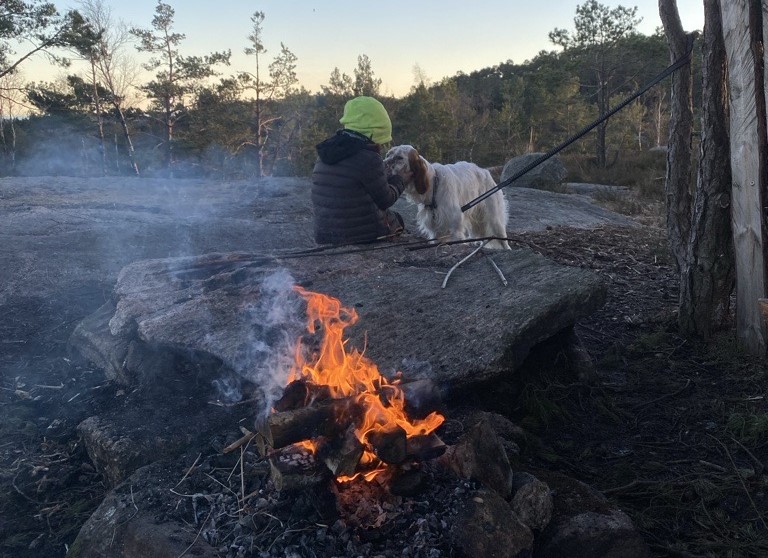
pixel 548 175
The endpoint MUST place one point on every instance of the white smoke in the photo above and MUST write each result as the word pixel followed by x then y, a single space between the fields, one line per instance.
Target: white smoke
pixel 273 325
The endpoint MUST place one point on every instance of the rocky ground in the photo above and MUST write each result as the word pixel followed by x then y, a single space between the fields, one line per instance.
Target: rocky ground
pixel 674 432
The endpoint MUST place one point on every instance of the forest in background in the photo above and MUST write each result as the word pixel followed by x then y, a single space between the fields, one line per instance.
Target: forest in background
pixel 193 119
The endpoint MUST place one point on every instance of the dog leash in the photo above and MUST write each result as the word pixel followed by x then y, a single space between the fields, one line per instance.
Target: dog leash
pixel 578 135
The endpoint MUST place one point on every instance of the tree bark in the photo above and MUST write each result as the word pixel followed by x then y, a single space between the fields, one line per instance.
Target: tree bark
pixel 99 117
pixel 128 140
pixel 743 37
pixel 679 149
pixel 707 277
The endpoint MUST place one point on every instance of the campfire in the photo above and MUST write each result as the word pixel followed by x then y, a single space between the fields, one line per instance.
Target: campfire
pixel 338 416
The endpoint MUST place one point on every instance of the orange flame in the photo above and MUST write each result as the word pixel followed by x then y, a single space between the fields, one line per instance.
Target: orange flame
pixel 352 374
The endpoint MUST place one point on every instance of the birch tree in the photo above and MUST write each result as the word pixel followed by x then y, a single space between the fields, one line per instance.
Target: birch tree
pixel 114 69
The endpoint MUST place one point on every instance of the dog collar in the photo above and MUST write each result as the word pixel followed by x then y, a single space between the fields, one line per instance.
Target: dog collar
pixel 433 204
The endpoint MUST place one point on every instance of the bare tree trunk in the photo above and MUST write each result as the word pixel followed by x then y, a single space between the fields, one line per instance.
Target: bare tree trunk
pixel 99 117
pixel 602 109
pixel 707 278
pixel 168 124
pixel 128 140
pixel 743 34
pixel 659 115
pixel 259 138
pixel 680 136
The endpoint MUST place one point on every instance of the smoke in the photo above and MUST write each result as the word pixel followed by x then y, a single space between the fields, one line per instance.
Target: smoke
pixel 272 328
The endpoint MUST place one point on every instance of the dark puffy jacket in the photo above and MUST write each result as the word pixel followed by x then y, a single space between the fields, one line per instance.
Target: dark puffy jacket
pixel 351 193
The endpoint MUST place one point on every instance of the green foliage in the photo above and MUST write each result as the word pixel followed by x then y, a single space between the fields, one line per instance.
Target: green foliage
pixel 36 26
pixel 176 76
pixel 76 96
pixel 260 122
pixel 365 83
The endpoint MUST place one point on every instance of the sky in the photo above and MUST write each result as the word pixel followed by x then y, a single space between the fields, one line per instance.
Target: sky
pixel 441 37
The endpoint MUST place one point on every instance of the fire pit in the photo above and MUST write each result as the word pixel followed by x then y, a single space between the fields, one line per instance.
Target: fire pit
pixel 338 417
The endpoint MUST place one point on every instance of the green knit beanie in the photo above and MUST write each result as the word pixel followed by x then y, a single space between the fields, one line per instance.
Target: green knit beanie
pixel 367 116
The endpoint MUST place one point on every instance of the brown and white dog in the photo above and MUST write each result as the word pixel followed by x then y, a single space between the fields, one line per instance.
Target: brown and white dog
pixel 441 190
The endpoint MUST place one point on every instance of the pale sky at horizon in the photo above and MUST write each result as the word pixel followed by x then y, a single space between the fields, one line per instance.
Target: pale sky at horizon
pixel 441 37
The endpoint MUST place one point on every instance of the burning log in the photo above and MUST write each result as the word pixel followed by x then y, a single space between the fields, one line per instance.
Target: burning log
pixel 328 419
pixel 341 454
pixel 294 468
pixel 301 393
pixel 425 447
pixel 389 446
pixel 356 422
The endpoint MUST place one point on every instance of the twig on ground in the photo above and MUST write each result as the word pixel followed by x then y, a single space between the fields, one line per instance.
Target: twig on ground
pixel 189 470
pixel 741 480
pixel 665 396
pixel 198 533
pixel 475 251
pixel 240 442
pixel 714 466
pixel 242 481
pixel 498 271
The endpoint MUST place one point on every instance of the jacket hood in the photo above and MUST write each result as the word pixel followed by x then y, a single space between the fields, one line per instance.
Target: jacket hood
pixel 341 145
pixel 368 116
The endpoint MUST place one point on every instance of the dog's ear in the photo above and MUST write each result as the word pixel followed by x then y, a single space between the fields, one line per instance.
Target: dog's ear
pixel 419 170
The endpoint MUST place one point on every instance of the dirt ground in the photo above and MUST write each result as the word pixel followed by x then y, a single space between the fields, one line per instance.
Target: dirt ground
pixel 675 432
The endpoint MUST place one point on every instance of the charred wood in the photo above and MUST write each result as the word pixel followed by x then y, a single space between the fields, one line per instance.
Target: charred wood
pixel 301 393
pixel 329 418
pixel 294 468
pixel 425 447
pixel 341 454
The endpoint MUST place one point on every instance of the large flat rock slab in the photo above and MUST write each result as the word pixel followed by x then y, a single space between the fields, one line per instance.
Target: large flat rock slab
pixel 239 310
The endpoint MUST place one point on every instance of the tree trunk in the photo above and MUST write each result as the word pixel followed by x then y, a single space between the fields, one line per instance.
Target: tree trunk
pixel 743 34
pixel 128 141
pixel 99 117
pixel 602 109
pixel 679 151
pixel 707 277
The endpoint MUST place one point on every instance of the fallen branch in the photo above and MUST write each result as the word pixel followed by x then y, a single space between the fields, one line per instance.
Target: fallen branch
pixel 498 271
pixel 475 251
pixel 239 442
pixel 198 534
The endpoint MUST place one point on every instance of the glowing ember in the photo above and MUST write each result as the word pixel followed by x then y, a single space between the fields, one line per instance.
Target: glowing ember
pixel 351 374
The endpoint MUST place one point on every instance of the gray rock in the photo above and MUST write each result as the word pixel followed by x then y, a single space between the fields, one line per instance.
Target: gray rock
pixel 533 504
pixel 486 527
pixel 480 455
pixel 594 190
pixel 585 524
pixel 537 210
pixel 547 176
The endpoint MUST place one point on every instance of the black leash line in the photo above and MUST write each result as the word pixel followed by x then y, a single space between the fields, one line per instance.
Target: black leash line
pixel 555 150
